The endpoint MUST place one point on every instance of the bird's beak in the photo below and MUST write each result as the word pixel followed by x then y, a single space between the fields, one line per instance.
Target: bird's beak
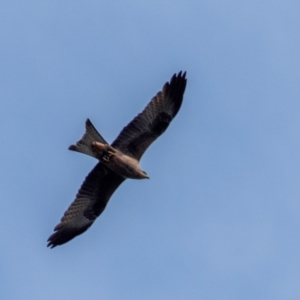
pixel 145 175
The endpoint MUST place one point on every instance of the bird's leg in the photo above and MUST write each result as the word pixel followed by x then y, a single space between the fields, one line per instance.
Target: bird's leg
pixel 107 155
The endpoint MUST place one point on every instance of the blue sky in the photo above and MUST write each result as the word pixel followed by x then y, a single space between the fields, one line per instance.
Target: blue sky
pixel 219 218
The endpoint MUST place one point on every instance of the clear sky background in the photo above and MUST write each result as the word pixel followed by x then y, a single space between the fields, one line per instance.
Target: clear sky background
pixel 220 216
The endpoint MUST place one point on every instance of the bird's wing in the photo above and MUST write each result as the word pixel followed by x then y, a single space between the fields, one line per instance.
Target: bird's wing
pixel 89 203
pixel 137 136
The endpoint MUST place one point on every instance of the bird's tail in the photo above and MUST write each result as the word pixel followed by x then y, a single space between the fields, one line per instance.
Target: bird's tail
pixel 91 135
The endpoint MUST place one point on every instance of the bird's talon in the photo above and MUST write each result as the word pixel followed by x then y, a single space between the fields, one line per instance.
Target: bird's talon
pixel 105 157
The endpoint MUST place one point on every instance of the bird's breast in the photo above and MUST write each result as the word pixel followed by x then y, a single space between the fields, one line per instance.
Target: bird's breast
pixel 124 165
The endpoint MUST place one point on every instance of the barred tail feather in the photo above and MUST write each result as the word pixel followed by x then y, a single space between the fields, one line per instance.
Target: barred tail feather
pixel 84 144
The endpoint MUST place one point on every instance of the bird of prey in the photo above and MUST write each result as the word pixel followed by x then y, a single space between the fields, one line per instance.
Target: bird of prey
pixel 117 161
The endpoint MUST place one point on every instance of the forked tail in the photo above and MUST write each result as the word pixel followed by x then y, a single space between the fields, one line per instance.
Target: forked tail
pixel 91 135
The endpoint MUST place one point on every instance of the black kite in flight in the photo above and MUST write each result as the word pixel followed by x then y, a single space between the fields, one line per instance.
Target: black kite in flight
pixel 117 161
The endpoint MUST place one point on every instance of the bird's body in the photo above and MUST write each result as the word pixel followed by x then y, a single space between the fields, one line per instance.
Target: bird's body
pixel 117 161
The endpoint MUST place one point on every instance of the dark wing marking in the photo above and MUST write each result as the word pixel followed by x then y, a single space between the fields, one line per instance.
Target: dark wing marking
pixel 89 203
pixel 137 136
